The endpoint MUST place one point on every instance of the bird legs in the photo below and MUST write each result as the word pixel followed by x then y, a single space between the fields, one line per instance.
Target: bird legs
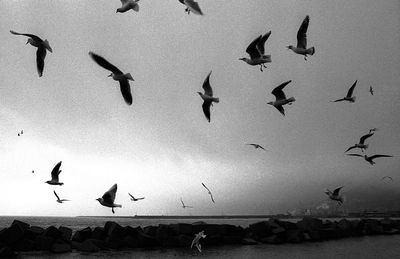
pixel 262 66
pixel 305 57
pixel 112 209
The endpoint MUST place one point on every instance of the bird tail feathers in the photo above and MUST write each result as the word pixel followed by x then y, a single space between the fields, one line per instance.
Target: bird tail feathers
pixel 118 205
pixel 216 100
pixel 129 76
pixel 291 99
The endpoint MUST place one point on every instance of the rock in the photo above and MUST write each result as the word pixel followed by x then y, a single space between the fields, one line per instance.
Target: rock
pixel 309 224
pixel 43 243
pixel 345 228
pixel 32 232
pixel 131 242
pixel 274 239
pixel 150 230
pixel 24 245
pixel 372 227
pixel 88 246
pixel 24 226
pixel 98 233
pixel 61 248
pixel 52 232
pixel 209 229
pixel 328 233
pixel 230 240
pixel 114 235
pixel 185 240
pixel 66 233
pixel 147 240
pixel 182 229
pixel 260 229
pixel 7 252
pixel 212 240
pixel 249 241
pixel 12 234
pixel 99 243
pixel 293 236
pixel 166 235
pixel 82 235
pixel 132 232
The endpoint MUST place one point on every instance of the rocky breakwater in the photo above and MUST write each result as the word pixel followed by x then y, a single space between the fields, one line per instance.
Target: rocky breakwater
pixel 21 237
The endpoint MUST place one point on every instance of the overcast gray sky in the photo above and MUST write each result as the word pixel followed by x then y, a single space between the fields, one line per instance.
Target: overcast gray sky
pixel 162 147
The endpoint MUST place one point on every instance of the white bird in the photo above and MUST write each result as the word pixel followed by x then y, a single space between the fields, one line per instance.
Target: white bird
pixel 41 45
pixel 54 175
pixel 192 6
pixel 349 97
pixel 302 40
pixel 207 97
pixel 335 196
pixel 135 199
pixel 281 97
pixel 369 159
pixel 58 198
pixel 209 192
pixel 196 240
pixel 256 51
pixel 117 75
pixel 108 198
pixel 256 146
pixel 361 144
pixel 184 206
pixel 127 5
pixel 371 90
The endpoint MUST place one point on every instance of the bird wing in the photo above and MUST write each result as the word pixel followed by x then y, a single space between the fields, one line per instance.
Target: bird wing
pixel 363 138
pixel 205 187
pixel 109 196
pixel 261 42
pixel 212 198
pixel 337 190
pixel 104 63
pixel 376 156
pixel 206 110
pixel 278 91
pixel 183 204
pixel 34 37
pixel 56 195
pixel 371 90
pixel 193 6
pixel 131 195
pixel 338 100
pixel 350 92
pixel 302 33
pixel 124 1
pixel 126 90
pixel 355 155
pixel 280 109
pixel 56 171
pixel 350 148
pixel 252 49
pixel 40 55
pixel 207 87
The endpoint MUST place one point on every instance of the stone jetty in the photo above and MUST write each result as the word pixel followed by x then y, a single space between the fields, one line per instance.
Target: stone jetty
pixel 21 237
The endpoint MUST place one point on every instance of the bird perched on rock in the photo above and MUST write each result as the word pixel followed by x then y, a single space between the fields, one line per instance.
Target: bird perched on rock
pixel 349 97
pixel 281 97
pixel 256 50
pixel 208 97
pixel 54 175
pixel 108 198
pixel 127 5
pixel 335 196
pixel 117 75
pixel 42 46
pixel 302 40
pixel 192 6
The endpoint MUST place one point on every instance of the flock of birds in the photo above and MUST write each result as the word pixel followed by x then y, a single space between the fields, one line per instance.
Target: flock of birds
pixel 257 57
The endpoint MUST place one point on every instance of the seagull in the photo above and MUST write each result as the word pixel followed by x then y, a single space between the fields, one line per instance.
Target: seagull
pixel 20 133
pixel 184 206
pixel 192 6
pixel 127 5
pixel 135 199
pixel 196 240
pixel 388 177
pixel 207 97
pixel 349 96
pixel 117 75
pixel 33 171
pixel 369 159
pixel 256 146
pixel 361 144
pixel 335 195
pixel 42 46
pixel 281 97
pixel 302 40
pixel 58 198
pixel 54 175
pixel 209 192
pixel 371 90
pixel 109 197
pixel 256 51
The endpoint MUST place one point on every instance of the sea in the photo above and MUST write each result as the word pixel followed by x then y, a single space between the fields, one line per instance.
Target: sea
pixel 354 247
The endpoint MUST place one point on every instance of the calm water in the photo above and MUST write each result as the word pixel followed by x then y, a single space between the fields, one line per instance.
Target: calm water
pixel 363 247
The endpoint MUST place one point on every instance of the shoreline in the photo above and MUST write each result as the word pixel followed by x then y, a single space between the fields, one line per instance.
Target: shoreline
pixel 21 237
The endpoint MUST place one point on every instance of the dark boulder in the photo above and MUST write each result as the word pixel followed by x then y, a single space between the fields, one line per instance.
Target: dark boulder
pixel 131 242
pixel 98 233
pixel 7 252
pixel 150 230
pixel 166 235
pixel 24 226
pixel 82 235
pixel 260 229
pixel 293 236
pixel 182 228
pixel 24 245
pixel 66 233
pixel 61 248
pixel 249 241
pixel 185 240
pixel 43 243
pixel 147 240
pixel 12 234
pixel 309 224
pixel 274 239
pixel 32 232
pixel 87 246
pixel 52 232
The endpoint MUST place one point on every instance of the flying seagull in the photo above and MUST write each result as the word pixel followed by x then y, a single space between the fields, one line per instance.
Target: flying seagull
pixel 109 198
pixel 256 146
pixel 302 40
pixel 256 51
pixel 349 97
pixel 192 6
pixel 335 195
pixel 127 5
pixel 281 97
pixel 196 240
pixel 207 97
pixel 361 144
pixel 135 199
pixel 387 177
pixel 54 175
pixel 42 46
pixel 371 90
pixel 209 192
pixel 58 198
pixel 117 75
pixel 369 159
pixel 184 206
pixel 20 133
